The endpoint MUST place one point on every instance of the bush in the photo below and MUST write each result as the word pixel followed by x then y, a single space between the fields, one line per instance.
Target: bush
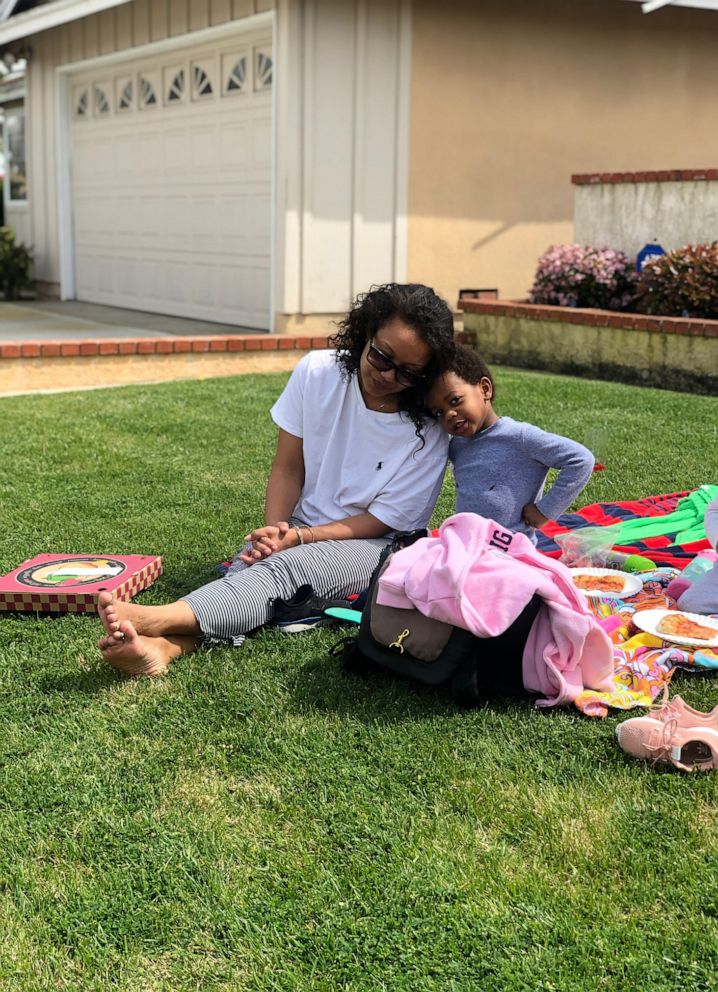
pixel 580 276
pixel 683 283
pixel 15 265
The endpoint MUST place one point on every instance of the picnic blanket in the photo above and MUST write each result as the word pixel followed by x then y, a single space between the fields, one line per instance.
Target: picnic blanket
pixel 644 664
pixel 668 529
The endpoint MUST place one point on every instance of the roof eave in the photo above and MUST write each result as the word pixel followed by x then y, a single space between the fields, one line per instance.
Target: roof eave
pixel 51 15
pixel 650 6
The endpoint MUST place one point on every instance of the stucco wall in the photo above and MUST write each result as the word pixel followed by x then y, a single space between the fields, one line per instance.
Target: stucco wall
pixel 510 97
pixel 628 215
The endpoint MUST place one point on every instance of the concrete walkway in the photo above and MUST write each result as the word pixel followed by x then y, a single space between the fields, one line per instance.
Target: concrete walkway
pixel 55 321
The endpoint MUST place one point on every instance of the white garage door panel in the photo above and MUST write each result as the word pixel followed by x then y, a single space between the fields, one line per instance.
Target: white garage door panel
pixel 172 200
pixel 144 283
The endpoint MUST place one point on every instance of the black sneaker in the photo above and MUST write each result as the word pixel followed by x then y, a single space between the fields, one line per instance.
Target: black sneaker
pixel 304 611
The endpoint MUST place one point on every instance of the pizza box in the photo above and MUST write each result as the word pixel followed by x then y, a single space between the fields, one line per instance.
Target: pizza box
pixel 70 583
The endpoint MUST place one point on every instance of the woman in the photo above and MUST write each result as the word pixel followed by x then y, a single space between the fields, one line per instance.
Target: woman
pixel 355 461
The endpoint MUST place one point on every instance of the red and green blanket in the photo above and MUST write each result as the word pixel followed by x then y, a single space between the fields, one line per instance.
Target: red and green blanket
pixel 667 529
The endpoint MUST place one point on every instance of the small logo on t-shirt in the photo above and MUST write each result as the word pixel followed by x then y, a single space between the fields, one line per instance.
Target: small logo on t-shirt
pixel 378 465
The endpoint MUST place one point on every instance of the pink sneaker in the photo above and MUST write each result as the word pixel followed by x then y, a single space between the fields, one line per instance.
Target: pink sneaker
pixel 684 715
pixel 687 748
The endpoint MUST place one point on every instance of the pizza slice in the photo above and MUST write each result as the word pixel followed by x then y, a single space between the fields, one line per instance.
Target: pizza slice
pixel 600 583
pixel 679 625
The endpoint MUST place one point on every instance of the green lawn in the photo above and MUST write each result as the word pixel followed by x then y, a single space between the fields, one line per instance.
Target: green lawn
pixel 256 820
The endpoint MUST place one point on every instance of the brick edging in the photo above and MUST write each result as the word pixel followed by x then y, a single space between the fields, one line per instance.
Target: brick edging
pixel 660 176
pixel 593 318
pixel 105 347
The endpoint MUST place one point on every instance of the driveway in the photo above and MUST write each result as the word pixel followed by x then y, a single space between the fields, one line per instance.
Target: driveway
pixel 55 321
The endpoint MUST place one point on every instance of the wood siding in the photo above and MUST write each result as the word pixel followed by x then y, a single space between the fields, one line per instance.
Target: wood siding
pixel 341 169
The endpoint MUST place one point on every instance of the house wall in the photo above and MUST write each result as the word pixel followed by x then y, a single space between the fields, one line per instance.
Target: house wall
pixel 510 97
pixel 342 92
pixel 642 209
pixel 121 28
pixel 342 108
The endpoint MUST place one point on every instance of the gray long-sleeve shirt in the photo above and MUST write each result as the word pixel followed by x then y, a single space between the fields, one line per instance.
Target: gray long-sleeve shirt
pixel 501 469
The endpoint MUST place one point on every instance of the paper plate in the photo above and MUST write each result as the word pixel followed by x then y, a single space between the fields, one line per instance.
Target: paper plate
pixel 649 620
pixel 631 583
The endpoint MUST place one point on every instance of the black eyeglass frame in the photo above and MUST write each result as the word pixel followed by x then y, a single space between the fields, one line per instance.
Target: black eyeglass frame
pixel 405 377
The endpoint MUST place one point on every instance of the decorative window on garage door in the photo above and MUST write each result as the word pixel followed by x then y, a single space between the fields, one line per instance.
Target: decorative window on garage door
pixel 235 73
pixel 148 87
pixel 102 93
pixel 124 94
pixel 262 69
pixel 80 101
pixel 174 84
pixel 202 86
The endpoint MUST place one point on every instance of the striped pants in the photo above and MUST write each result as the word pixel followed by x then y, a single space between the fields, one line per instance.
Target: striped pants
pixel 228 608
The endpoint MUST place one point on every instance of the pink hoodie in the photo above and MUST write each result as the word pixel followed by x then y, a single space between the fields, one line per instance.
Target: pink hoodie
pixel 479 576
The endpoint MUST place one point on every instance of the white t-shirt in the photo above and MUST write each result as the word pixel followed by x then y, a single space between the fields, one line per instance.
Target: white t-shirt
pixel 357 460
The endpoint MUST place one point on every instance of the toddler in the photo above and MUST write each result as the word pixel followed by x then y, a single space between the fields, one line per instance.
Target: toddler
pixel 702 595
pixel 500 465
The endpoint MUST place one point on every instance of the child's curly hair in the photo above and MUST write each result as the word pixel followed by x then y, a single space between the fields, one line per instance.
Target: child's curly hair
pixel 417 306
pixel 469 366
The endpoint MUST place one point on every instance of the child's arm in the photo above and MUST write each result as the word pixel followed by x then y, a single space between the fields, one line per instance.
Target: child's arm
pixel 574 462
pixel 533 517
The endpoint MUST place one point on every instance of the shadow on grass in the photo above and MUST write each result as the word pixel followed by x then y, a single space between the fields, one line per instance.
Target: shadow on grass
pixel 171 587
pixel 91 681
pixel 320 685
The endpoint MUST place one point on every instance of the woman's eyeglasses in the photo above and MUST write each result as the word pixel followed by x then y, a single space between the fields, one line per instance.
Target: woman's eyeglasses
pixel 382 363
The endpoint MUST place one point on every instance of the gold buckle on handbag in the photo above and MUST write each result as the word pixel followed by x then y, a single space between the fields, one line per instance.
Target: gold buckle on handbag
pixel 400 637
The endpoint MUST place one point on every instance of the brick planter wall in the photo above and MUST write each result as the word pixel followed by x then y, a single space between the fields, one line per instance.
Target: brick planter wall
pixel 668 352
pixel 48 365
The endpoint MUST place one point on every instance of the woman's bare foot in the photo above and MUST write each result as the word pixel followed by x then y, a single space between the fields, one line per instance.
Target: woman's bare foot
pixel 151 621
pixel 133 654
pixel 112 612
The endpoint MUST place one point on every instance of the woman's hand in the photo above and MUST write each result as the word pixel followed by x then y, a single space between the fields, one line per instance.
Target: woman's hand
pixel 266 540
pixel 533 517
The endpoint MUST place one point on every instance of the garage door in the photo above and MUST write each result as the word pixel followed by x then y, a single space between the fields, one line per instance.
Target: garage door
pixel 171 178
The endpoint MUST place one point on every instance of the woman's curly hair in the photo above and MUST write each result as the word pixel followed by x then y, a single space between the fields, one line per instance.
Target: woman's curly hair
pixel 417 306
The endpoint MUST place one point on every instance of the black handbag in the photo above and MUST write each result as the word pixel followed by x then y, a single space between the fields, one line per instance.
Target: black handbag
pixel 435 653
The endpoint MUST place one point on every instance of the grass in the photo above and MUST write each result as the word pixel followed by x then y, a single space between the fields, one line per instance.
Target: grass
pixel 256 820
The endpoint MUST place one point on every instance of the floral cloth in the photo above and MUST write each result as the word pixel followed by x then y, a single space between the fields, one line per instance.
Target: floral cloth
pixel 643 663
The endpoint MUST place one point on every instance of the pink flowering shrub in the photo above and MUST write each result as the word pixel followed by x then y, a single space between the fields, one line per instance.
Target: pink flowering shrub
pixel 580 276
pixel 683 283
